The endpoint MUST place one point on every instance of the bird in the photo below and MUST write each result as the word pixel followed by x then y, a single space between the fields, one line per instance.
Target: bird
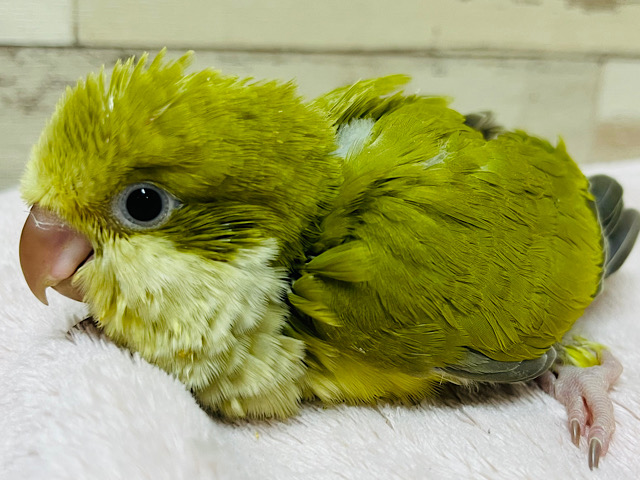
pixel 364 246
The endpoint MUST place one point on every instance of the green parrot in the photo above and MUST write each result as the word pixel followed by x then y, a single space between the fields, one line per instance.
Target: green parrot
pixel 364 246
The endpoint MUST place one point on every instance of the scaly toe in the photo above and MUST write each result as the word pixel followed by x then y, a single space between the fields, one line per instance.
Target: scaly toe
pixel 584 393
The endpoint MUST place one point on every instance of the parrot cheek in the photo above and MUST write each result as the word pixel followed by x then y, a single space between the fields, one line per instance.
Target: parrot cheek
pixel 50 254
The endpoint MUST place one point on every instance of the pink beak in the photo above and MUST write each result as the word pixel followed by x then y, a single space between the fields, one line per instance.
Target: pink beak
pixel 50 254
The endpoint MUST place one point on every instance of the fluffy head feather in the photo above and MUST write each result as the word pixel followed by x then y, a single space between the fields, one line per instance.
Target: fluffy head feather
pixel 246 160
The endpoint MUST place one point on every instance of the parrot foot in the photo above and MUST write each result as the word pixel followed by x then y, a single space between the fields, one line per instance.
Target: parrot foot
pixel 584 392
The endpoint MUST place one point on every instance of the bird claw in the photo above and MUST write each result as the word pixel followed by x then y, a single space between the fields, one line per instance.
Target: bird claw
pixel 575 432
pixel 584 393
pixel 595 448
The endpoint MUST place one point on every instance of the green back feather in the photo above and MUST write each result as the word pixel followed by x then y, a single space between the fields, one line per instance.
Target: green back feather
pixel 470 244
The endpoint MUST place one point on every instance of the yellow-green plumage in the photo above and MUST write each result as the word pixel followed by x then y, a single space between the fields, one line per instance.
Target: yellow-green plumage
pixel 493 246
pixel 296 266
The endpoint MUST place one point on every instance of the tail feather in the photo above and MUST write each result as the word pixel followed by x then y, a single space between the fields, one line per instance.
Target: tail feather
pixel 609 204
pixel 621 240
pixel 620 226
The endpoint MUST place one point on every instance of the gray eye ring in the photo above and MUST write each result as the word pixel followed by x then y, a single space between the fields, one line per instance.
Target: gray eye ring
pixel 144 206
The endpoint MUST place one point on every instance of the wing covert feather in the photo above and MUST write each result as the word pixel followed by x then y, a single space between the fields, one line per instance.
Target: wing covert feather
pixel 470 244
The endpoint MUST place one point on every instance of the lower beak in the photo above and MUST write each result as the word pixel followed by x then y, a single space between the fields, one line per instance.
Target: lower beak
pixel 50 254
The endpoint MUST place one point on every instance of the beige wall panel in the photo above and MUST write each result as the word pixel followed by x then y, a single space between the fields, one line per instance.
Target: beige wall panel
pixel 618 118
pixel 36 22
pixel 606 26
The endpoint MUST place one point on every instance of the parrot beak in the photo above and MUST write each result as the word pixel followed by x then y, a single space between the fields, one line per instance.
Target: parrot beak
pixel 50 254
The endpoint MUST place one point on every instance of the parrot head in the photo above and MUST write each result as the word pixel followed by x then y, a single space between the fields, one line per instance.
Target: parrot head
pixel 139 183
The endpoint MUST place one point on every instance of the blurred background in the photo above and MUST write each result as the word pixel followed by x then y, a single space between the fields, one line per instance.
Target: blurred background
pixel 567 68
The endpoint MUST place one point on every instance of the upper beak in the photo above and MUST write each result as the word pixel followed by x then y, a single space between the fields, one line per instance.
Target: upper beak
pixel 50 253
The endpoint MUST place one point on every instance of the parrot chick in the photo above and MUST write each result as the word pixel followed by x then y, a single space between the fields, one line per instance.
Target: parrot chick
pixel 363 246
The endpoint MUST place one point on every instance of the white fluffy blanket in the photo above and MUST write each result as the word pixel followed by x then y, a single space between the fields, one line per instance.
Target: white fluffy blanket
pixel 75 406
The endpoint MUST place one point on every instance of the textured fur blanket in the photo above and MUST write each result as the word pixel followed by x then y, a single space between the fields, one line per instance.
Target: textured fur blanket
pixel 75 406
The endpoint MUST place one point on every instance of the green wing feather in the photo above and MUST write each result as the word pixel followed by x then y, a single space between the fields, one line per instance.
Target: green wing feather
pixel 441 243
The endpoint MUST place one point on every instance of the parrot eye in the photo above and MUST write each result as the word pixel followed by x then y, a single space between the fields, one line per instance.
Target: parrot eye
pixel 143 205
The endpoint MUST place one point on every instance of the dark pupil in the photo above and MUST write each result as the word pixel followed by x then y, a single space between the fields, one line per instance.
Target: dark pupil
pixel 144 204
